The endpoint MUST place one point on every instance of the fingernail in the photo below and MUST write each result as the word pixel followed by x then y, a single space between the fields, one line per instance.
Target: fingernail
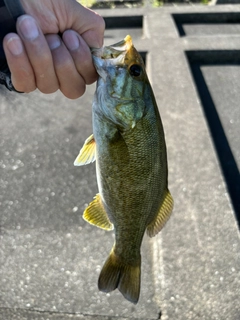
pixel 15 46
pixel 71 40
pixel 28 28
pixel 53 41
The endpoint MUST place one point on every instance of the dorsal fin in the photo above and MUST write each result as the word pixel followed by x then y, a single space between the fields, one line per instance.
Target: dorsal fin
pixel 88 152
pixel 162 217
pixel 95 214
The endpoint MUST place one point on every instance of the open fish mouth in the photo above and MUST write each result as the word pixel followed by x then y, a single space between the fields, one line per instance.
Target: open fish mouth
pixel 113 55
pixel 114 51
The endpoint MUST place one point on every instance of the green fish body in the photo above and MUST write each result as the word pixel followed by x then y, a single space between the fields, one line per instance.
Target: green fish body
pixel 128 145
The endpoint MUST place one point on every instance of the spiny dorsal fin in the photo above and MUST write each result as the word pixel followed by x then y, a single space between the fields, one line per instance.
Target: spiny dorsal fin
pixel 95 214
pixel 162 217
pixel 88 152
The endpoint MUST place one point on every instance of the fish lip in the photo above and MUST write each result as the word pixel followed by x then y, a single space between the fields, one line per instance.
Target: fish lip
pixel 119 48
pixel 108 56
pixel 123 45
pixel 114 51
pixel 99 65
pixel 113 55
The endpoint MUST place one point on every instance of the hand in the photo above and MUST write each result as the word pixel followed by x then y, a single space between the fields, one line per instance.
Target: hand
pixel 39 58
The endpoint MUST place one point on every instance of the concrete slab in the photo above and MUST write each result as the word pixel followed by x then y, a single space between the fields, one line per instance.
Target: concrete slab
pixel 193 262
pixel 50 258
pixel 222 80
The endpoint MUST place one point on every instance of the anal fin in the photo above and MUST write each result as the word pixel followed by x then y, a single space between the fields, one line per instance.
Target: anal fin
pixel 162 217
pixel 95 214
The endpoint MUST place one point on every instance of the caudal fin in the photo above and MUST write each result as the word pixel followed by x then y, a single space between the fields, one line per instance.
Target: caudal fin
pixel 118 274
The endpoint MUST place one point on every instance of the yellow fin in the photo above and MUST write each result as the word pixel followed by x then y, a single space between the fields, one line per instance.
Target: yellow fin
pixel 95 214
pixel 87 153
pixel 118 274
pixel 162 217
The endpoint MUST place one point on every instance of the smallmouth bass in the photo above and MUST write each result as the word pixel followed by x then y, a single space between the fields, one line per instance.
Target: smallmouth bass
pixel 128 145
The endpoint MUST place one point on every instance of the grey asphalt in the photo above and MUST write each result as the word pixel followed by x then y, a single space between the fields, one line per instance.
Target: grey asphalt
pixel 51 258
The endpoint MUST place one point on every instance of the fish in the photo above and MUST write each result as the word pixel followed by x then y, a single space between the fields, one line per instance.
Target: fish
pixel 129 148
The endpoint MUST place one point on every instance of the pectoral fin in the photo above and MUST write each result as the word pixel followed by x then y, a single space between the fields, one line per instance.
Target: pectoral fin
pixel 95 214
pixel 88 152
pixel 162 217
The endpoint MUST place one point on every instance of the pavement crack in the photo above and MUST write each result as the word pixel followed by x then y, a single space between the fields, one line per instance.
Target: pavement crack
pixel 159 315
pixel 10 313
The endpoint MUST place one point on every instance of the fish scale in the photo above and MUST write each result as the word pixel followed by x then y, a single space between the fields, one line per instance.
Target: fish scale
pixel 131 162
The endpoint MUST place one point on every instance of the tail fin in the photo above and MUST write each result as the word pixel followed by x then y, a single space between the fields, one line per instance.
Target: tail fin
pixel 118 274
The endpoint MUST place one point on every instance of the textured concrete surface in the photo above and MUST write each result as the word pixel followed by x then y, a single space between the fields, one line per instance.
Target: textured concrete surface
pixel 51 258
pixel 223 82
pixel 199 248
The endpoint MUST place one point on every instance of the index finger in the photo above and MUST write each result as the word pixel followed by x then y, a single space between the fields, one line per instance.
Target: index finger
pixel 89 24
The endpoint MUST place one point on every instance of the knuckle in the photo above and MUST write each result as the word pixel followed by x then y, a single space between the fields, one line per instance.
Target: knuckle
pixel 24 81
pixel 27 88
pixel 91 80
pixel 85 63
pixel 67 66
pixel 73 93
pixel 45 59
pixel 47 84
pixel 100 23
pixel 47 90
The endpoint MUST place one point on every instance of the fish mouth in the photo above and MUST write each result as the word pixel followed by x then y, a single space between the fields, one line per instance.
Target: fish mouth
pixel 114 51
pixel 113 55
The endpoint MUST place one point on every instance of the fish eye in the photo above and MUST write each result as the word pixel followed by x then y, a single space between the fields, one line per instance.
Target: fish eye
pixel 135 70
